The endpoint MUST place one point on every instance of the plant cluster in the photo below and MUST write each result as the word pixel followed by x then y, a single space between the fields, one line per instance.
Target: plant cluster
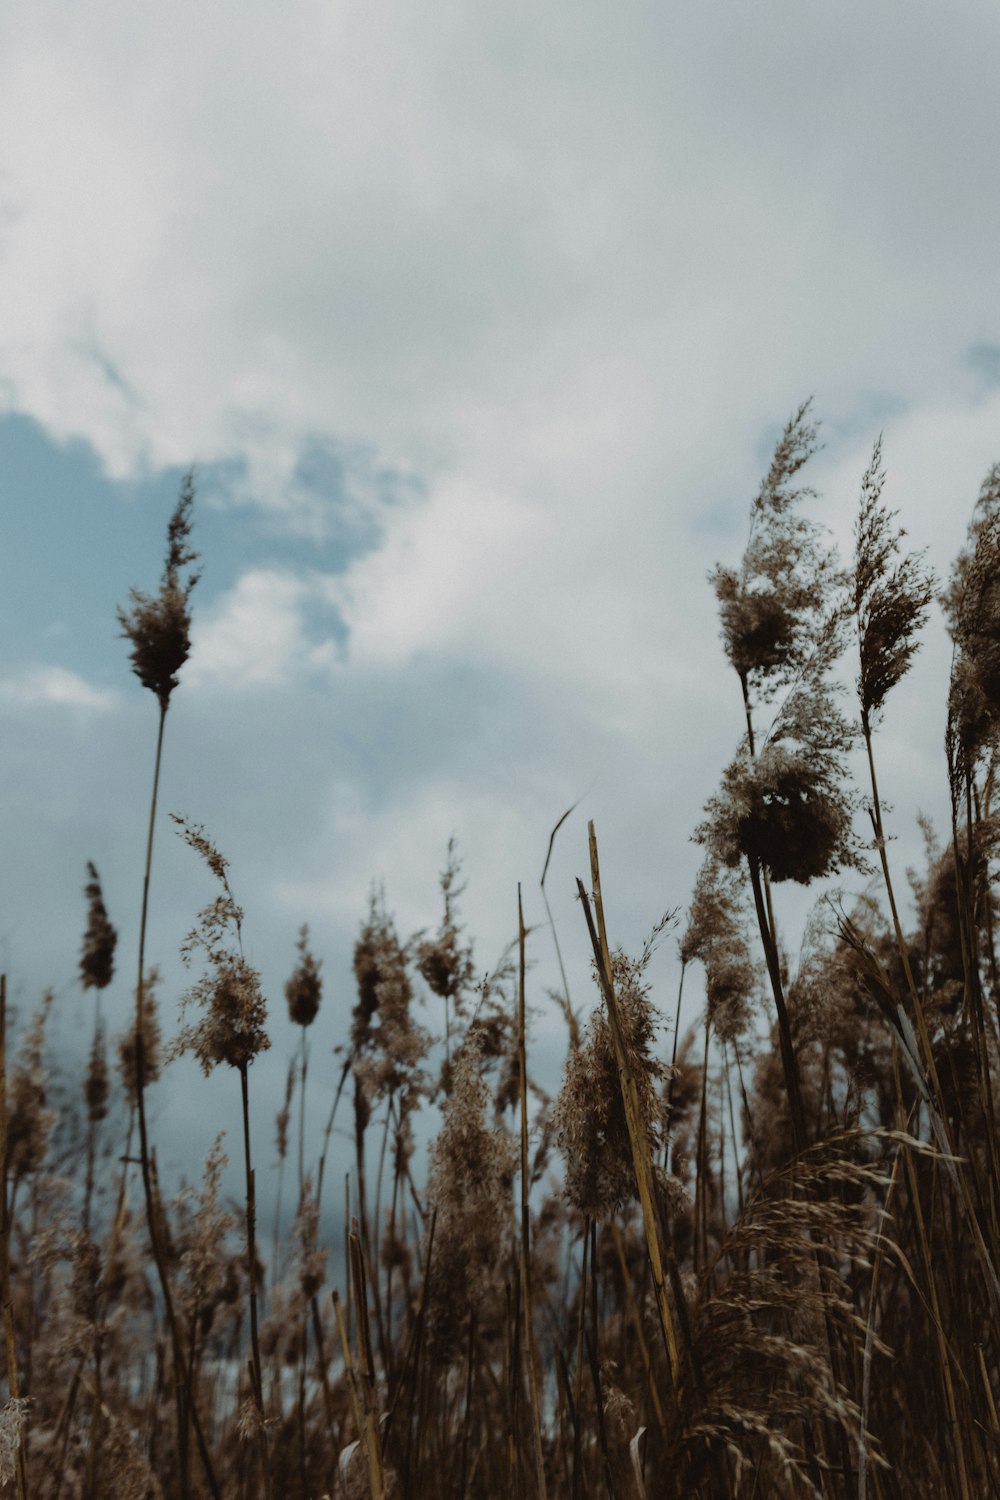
pixel 752 1250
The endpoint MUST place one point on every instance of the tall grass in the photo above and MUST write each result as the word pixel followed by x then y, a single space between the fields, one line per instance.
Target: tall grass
pixel 756 1257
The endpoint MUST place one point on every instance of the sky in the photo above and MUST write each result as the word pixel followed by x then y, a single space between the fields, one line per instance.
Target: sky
pixel 478 324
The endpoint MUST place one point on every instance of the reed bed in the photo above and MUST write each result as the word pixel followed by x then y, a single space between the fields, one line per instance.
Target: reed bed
pixel 750 1249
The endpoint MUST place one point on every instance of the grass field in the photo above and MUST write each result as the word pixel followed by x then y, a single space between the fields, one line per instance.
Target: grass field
pixel 761 1262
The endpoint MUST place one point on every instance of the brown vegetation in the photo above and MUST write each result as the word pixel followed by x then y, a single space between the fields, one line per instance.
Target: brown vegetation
pixel 761 1258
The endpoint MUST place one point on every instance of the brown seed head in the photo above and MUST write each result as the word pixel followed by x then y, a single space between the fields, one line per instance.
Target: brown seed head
pixel 159 625
pixel 128 1051
pixel 97 962
pixel 304 989
pixel 96 1085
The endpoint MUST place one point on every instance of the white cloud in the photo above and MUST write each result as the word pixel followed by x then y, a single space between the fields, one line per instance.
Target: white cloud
pixel 56 686
pixel 565 267
pixel 255 636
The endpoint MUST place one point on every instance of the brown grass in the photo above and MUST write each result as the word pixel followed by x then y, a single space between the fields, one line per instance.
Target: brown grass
pixel 685 1299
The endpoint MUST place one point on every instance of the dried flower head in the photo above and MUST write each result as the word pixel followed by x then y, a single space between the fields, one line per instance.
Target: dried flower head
pixel 972 608
pixel 388 1044
pixel 304 988
pixel 250 1421
pixel 97 962
pixel 444 962
pixel 716 935
pixel 96 1086
pixel 591 1125
pixel 309 1255
pixel 469 1187
pixel 789 809
pixel 773 607
pixel 231 1028
pixel 204 1264
pixel 284 1113
pixel 13 1419
pixel 891 597
pixel 29 1123
pixel 128 1050
pixel 159 626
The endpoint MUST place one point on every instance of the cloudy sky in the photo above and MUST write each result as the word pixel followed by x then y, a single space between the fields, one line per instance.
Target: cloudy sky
pixel 479 324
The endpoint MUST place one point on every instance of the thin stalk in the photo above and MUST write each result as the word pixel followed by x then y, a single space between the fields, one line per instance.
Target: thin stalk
pixel 302 1111
pixel 526 1278
pixel 630 1099
pixel 673 1054
pixel 328 1131
pixel 371 1435
pixel 701 1174
pixel 769 941
pixel 732 1130
pixel 789 1061
pixel 153 1208
pixel 636 1319
pixel 6 1294
pixel 256 1369
pixel 578 1368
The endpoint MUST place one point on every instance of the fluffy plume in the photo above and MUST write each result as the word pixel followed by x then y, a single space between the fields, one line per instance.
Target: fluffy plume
pixel 972 608
pixel 233 1009
pixel 304 989
pixel 151 1049
pixel 591 1127
pixel 716 935
pixel 444 962
pixel 97 961
pixel 772 607
pixel 159 626
pixel 891 597
pixel 96 1084
pixel 469 1188
pixel 788 809
pixel 388 1044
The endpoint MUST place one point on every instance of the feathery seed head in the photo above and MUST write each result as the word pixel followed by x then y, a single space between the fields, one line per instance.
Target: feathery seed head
pixel 444 962
pixel 128 1052
pixel 788 809
pixel 590 1121
pixel 773 608
pixel 716 934
pixel 96 1086
pixel 29 1123
pixel 387 1042
pixel 231 1029
pixel 304 988
pixel 891 597
pixel 469 1187
pixel 13 1419
pixel 283 1115
pixel 159 625
pixel 98 958
pixel 972 608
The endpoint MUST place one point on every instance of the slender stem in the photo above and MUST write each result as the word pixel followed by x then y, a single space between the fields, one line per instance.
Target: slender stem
pixel 769 939
pixel 302 1111
pixel 526 1278
pixel 6 1295
pixel 152 1206
pixel 788 1058
pixel 251 1201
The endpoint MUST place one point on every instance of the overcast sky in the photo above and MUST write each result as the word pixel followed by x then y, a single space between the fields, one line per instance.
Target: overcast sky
pixel 479 323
